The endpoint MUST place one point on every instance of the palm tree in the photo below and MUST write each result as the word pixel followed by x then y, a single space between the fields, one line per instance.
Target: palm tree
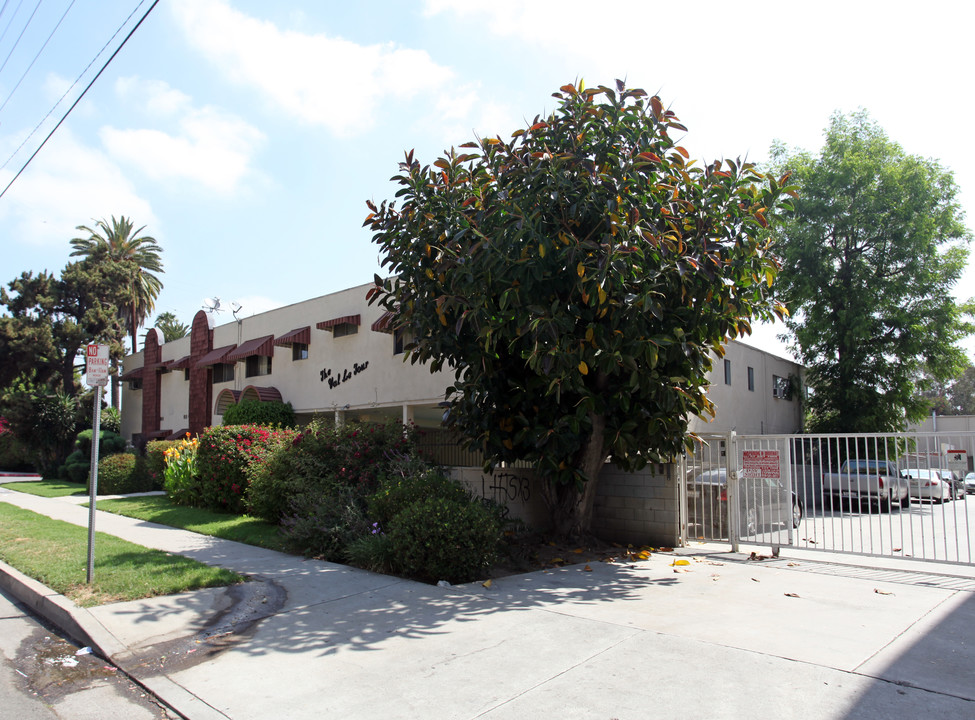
pixel 119 243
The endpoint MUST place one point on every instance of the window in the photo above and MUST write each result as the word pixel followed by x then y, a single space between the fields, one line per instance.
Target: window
pixel 401 339
pixel 299 351
pixel 223 372
pixel 345 329
pixel 135 384
pixel 781 387
pixel 257 365
pixel 186 374
pixel 751 379
pixel 727 372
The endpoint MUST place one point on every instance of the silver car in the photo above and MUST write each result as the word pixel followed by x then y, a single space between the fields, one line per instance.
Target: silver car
pixel 970 483
pixel 927 485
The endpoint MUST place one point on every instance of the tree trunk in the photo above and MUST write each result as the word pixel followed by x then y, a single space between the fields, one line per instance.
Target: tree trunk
pixel 571 509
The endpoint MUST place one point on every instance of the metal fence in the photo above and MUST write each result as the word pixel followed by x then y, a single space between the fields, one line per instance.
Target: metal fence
pixel 896 495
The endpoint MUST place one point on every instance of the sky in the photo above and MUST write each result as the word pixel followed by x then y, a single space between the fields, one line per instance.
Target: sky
pixel 247 136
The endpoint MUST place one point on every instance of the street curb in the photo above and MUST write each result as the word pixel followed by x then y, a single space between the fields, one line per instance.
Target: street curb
pixel 82 627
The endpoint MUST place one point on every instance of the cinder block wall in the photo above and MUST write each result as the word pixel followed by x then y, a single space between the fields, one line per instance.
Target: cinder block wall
pixel 631 508
pixel 640 508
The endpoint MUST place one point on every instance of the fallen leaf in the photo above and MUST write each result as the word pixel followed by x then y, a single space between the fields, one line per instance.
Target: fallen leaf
pixel 557 560
pixel 587 568
pixel 791 595
pixel 666 549
pixel 578 551
pixel 486 583
pixel 756 580
pixel 897 549
pixel 682 570
pixel 680 562
pixel 792 564
pixel 882 592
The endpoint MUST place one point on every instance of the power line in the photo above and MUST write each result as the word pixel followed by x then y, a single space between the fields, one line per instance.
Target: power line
pixel 64 15
pixel 78 100
pixel 20 37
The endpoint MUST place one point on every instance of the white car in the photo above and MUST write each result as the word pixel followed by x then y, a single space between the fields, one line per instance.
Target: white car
pixel 970 483
pixel 927 485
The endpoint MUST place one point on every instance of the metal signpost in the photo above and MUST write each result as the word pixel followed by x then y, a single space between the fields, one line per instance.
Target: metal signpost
pixel 96 376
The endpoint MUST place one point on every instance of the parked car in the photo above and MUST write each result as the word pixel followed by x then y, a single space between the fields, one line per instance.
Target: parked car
pixel 763 503
pixel 927 485
pixel 953 480
pixel 868 480
pixel 970 483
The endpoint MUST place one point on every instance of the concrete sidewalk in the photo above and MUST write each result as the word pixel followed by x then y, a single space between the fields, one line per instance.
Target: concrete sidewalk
pixel 720 637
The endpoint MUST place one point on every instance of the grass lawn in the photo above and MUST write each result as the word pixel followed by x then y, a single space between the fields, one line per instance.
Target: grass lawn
pixel 160 509
pixel 48 488
pixel 56 554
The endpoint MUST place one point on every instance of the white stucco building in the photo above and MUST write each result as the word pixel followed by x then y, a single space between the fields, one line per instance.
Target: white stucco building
pixel 334 355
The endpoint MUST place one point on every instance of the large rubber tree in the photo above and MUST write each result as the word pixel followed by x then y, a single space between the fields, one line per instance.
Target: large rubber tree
pixel 577 278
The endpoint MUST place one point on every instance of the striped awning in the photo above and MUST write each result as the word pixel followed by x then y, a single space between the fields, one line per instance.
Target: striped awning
pixel 181 364
pixel 164 366
pixel 135 374
pixel 345 320
pixel 298 335
pixel 215 357
pixel 261 394
pixel 257 346
pixel 384 323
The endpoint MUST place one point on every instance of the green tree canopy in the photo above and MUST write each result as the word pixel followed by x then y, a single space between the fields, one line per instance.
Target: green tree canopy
pixel 172 328
pixel 870 258
pixel 121 243
pixel 576 278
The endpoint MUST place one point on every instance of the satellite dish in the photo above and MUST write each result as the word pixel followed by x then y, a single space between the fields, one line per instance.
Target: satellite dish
pixel 211 304
pixel 236 306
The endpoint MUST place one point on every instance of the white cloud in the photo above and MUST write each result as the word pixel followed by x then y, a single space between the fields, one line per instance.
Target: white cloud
pixel 211 147
pixel 318 79
pixel 68 184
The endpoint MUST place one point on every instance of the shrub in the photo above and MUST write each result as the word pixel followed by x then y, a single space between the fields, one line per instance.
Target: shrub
pixel 255 412
pixel 326 525
pixel 443 539
pixel 122 473
pixel 156 461
pixel 13 455
pixel 321 458
pixel 111 420
pixel 415 481
pixel 180 473
pixel 109 443
pixel 222 459
pixel 76 467
pixel 371 552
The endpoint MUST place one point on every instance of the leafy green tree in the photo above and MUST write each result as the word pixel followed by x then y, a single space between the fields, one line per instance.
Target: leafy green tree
pixel 42 341
pixel 577 279
pixel 962 393
pixel 120 242
pixel 50 321
pixel 870 258
pixel 172 328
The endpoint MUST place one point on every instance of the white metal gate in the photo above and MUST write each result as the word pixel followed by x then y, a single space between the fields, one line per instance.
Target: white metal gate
pixel 897 495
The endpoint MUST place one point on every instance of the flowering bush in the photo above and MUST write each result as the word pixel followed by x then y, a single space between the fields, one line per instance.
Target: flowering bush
pixel 222 458
pixel 179 482
pixel 322 459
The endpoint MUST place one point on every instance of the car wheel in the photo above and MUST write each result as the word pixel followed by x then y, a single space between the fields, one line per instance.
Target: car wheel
pixel 796 513
pixel 884 504
pixel 906 502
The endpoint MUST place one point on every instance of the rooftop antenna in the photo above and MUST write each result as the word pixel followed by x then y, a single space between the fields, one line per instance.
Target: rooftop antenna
pixel 212 305
pixel 236 306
